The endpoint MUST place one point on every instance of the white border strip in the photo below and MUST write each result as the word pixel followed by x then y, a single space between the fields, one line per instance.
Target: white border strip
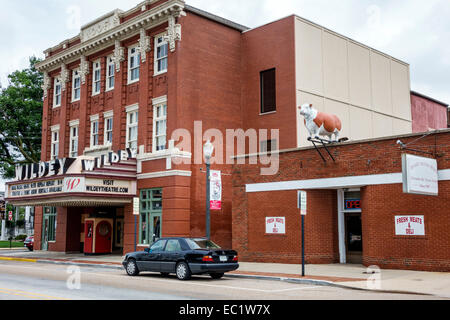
pixel 335 183
pixel 164 174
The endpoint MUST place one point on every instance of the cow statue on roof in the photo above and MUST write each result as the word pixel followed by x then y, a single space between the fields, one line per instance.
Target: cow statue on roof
pixel 320 123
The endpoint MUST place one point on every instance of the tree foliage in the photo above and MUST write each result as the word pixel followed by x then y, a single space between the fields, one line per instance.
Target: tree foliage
pixel 21 119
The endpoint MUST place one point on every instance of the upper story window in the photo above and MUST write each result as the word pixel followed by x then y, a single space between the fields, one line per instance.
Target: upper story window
pixel 132 127
pixel 110 73
pixel 94 131
pixel 57 93
pixel 108 132
pixel 76 85
pixel 159 124
pixel 96 77
pixel 74 130
pixel 134 61
pixel 55 143
pixel 161 54
pixel 268 91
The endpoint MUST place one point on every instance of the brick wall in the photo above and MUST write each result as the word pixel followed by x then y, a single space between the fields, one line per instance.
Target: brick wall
pixel 380 204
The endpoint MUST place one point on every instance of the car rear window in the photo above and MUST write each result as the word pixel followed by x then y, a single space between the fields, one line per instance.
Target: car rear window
pixel 201 244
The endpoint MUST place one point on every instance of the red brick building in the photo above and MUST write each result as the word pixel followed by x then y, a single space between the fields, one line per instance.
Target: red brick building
pixel 428 113
pixel 159 80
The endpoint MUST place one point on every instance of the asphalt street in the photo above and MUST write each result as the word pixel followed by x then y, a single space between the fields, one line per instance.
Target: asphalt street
pixel 37 281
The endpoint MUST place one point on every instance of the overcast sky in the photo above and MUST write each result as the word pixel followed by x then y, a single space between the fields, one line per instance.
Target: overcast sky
pixel 414 31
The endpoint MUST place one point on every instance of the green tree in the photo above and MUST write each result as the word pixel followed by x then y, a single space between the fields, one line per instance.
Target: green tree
pixel 21 119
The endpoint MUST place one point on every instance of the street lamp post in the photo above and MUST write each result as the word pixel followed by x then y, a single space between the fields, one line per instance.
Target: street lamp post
pixel 208 150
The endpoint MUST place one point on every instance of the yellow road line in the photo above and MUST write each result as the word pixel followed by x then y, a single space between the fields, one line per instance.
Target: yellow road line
pixel 17 259
pixel 30 294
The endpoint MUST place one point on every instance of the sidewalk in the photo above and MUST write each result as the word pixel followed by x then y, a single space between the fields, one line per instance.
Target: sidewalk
pixel 347 276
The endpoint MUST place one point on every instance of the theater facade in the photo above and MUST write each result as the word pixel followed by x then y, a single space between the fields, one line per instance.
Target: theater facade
pixel 130 101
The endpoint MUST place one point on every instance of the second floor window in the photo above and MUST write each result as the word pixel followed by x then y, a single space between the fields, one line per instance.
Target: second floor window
pixel 96 78
pixel 161 54
pixel 57 93
pixel 110 76
pixel 76 85
pixel 132 129
pixel 134 61
pixel 94 132
pixel 108 131
pixel 55 145
pixel 74 141
pixel 160 127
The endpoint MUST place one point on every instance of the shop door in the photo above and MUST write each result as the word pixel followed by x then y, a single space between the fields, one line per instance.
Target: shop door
pixel 89 237
pixel 45 227
pixel 103 237
pixel 155 226
pixel 353 235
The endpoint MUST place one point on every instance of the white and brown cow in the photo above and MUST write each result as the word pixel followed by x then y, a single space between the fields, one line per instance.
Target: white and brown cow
pixel 320 123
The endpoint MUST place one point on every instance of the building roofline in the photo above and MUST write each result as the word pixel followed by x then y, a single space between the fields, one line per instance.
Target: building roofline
pixel 216 18
pixel 429 98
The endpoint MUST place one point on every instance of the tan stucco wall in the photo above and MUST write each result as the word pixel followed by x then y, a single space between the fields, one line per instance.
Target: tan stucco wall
pixel 367 89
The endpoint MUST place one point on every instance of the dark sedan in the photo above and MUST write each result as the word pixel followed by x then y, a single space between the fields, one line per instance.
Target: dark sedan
pixel 184 257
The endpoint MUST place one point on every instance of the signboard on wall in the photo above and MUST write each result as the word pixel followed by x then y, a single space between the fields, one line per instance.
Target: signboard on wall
pixel 410 225
pixel 215 190
pixel 420 175
pixel 276 225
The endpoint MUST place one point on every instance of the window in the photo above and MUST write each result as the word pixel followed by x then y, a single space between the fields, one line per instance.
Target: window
pixel 57 93
pixel 55 144
pixel 49 223
pixel 159 127
pixel 268 92
pixel 173 246
pixel 74 141
pixel 132 129
pixel 268 146
pixel 134 61
pixel 76 85
pixel 96 78
pixel 158 246
pixel 108 130
pixel 110 73
pixel 161 54
pixel 150 215
pixel 94 131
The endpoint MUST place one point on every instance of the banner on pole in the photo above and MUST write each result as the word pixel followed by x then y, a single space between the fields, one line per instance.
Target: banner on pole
pixel 215 190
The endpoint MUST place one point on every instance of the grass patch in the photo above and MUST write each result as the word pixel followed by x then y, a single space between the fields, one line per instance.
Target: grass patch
pixel 14 244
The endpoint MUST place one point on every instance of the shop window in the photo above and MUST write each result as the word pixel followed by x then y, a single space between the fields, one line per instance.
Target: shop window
pixel 268 91
pixel 150 224
pixel 352 200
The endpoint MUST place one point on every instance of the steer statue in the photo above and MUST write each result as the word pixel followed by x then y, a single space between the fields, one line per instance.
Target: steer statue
pixel 320 123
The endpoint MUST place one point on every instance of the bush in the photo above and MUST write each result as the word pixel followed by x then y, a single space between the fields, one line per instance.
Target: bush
pixel 21 237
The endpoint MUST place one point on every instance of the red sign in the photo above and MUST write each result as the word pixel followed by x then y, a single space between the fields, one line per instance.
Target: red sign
pixel 352 204
pixel 10 216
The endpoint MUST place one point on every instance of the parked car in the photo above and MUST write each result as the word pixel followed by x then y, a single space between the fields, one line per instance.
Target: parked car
pixel 184 257
pixel 29 243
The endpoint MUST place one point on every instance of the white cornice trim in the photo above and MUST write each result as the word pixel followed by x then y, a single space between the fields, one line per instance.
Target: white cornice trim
pixel 336 183
pixel 162 174
pixel 74 123
pixel 159 100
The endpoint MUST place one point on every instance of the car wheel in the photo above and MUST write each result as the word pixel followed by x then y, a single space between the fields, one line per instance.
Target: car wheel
pixel 31 249
pixel 183 271
pixel 132 269
pixel 216 275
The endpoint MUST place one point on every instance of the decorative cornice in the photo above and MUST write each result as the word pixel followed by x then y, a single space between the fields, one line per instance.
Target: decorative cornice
pixel 173 31
pixel 84 69
pixel 46 84
pixel 144 45
pixel 129 28
pixel 119 55
pixel 64 76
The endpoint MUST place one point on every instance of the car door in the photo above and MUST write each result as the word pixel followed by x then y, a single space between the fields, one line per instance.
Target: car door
pixel 150 261
pixel 170 256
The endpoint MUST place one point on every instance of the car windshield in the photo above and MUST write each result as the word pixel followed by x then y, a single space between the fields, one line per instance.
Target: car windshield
pixel 201 244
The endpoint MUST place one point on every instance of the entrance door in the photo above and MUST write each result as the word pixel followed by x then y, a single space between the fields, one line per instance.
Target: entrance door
pixel 103 237
pixel 155 226
pixel 353 237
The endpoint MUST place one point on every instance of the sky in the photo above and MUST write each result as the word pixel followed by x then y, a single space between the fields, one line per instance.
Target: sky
pixel 414 31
